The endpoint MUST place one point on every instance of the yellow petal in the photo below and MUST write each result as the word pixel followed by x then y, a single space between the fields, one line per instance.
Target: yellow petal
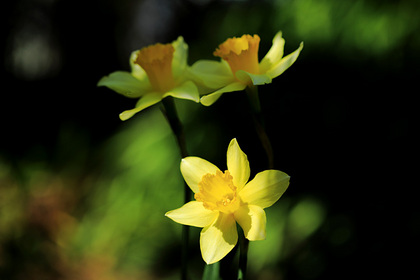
pixel 147 100
pixel 274 55
pixel 126 84
pixel 255 79
pixel 238 164
pixel 265 189
pixel 277 69
pixel 187 90
pixel 193 214
pixel 179 61
pixel 209 99
pixel 212 74
pixel 218 239
pixel 194 168
pixel 252 220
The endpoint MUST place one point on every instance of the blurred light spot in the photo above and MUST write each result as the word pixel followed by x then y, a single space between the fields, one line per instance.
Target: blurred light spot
pixel 33 57
pixel 314 19
pixel 305 218
pixel 32 53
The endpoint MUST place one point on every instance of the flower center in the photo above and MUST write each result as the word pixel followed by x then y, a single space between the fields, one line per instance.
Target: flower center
pixel 156 60
pixel 217 192
pixel 240 53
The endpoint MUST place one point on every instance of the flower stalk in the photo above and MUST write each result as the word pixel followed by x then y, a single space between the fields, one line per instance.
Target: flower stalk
pixel 243 255
pixel 168 109
pixel 171 115
pixel 259 124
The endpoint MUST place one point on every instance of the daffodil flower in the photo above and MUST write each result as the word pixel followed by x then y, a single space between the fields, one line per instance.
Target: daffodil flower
pixel 224 198
pixel 157 71
pixel 239 66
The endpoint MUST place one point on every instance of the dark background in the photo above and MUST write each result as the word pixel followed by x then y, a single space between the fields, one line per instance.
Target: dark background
pixel 341 121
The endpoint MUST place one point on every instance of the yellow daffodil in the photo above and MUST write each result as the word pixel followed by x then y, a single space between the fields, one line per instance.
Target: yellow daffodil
pixel 239 66
pixel 224 198
pixel 157 71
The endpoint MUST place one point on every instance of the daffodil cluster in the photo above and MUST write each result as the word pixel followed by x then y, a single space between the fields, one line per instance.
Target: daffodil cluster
pixel 222 199
pixel 161 70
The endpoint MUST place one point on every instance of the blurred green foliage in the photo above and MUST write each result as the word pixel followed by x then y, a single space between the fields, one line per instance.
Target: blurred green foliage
pixel 119 216
pixel 368 27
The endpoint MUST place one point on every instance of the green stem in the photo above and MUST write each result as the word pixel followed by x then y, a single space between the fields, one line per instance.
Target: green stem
pixel 257 117
pixel 169 111
pixel 243 255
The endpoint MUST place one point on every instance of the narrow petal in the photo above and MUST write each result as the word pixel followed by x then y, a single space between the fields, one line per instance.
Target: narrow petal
pixel 238 164
pixel 193 214
pixel 124 83
pixel 218 239
pixel 194 168
pixel 256 80
pixel 187 90
pixel 252 220
pixel 179 61
pixel 275 53
pixel 147 100
pixel 277 69
pixel 213 74
pixel 265 189
pixel 209 99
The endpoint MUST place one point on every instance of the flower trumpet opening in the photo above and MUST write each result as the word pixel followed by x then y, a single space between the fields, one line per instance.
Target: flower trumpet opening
pixel 240 53
pixel 156 60
pixel 218 193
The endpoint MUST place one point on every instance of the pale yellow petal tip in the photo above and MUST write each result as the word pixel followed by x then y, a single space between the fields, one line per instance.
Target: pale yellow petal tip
pixel 257 238
pixel 208 262
pixel 213 258
pixel 207 101
pixel 233 142
pixel 169 215
pixel 278 35
pixel 179 40
pixel 126 115
pixel 184 160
